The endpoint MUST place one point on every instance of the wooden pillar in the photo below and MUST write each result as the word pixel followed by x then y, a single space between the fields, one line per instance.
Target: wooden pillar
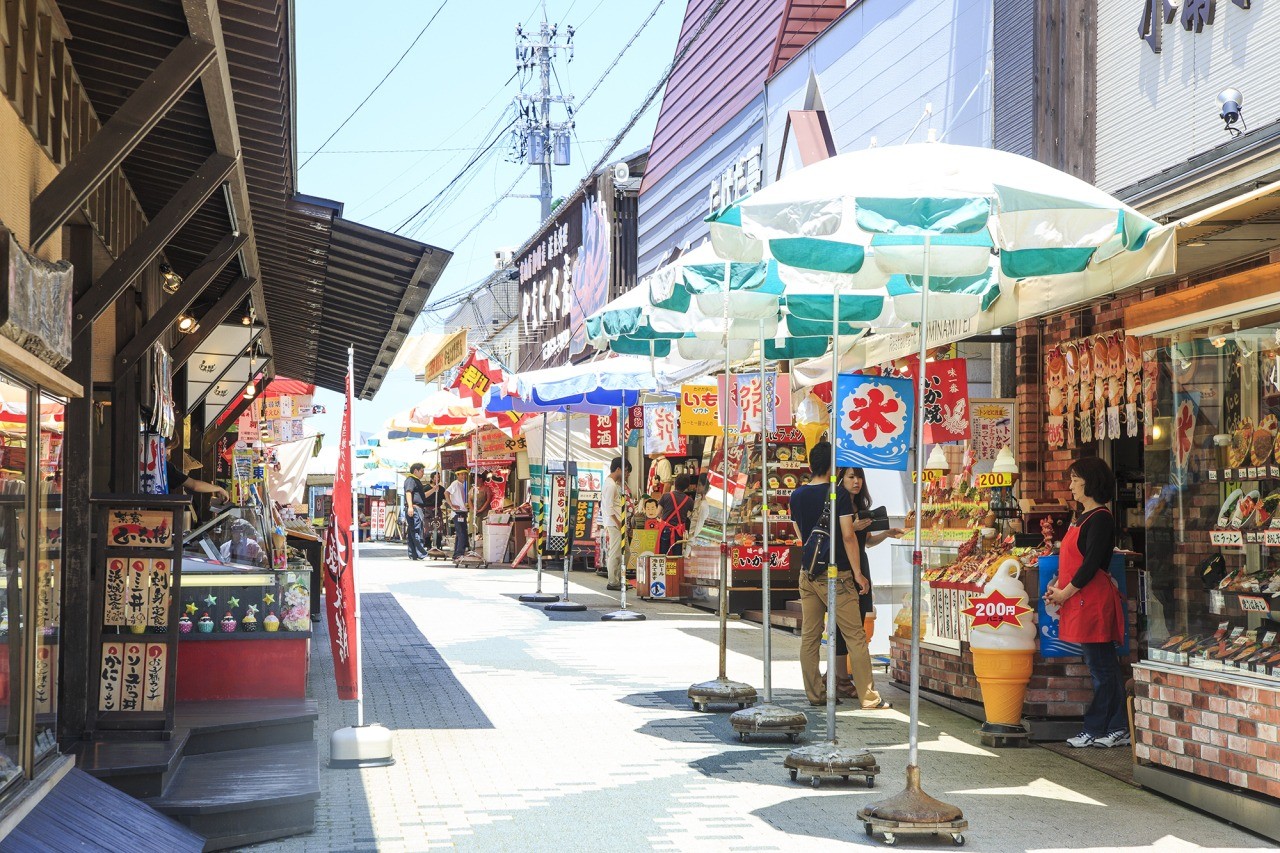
pixel 77 520
pixel 124 404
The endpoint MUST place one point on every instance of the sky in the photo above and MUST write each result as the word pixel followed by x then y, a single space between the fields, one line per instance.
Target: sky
pixel 427 120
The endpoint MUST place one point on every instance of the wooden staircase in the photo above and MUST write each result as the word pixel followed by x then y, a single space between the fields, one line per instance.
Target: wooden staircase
pixel 236 772
pixel 788 617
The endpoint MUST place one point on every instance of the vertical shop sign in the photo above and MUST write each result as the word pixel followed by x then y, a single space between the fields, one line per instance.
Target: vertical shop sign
pixel 744 408
pixel 699 410
pixel 991 427
pixel 662 430
pixel 604 430
pixel 874 421
pixel 946 401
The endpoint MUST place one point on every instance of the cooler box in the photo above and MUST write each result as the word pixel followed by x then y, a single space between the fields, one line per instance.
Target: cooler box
pixel 659 577
pixel 497 536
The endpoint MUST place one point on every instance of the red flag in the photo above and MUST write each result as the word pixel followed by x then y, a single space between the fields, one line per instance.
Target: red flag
pixel 946 401
pixel 339 585
pixel 475 378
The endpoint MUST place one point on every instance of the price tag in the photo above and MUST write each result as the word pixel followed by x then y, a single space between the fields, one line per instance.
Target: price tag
pixel 1217 602
pixel 931 475
pixel 1213 475
pixel 1254 604
pixel 1271 538
pixel 1226 537
pixel 992 480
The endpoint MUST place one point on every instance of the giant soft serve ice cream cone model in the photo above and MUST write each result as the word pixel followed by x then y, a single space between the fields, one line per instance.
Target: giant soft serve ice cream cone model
pixel 1002 637
pixel 812 420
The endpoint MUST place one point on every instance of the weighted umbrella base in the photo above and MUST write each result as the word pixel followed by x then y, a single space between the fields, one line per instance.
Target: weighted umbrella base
pixel 828 759
pixel 622 616
pixel 565 607
pixel 1000 736
pixel 913 812
pixel 721 691
pixel 768 719
pixel 540 597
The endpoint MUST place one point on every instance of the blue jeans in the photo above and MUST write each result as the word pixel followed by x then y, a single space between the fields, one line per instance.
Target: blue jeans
pixel 460 534
pixel 1106 713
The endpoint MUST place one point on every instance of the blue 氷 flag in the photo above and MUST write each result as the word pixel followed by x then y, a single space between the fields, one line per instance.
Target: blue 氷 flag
pixel 874 419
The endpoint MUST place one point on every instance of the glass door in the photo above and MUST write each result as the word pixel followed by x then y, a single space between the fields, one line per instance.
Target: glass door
pixel 14 469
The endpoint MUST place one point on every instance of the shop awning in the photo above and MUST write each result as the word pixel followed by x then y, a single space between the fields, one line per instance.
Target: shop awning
pixel 323 282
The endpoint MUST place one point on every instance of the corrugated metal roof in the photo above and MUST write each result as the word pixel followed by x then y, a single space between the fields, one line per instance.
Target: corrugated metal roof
pixel 326 281
pixel 802 22
pixel 721 74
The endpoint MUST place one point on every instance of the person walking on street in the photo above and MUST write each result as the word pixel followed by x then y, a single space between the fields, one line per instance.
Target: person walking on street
pixel 415 511
pixel 611 503
pixel 1091 609
pixel 807 504
pixel 456 497
pixel 431 523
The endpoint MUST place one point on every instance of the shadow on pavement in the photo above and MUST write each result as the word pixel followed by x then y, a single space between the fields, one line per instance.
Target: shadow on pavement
pixel 795 817
pixel 415 680
pixel 674 699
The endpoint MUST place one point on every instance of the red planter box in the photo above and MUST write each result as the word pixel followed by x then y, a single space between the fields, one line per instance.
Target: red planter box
pixel 234 668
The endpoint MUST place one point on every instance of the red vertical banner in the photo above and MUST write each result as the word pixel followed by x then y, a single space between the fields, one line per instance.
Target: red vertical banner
pixel 946 401
pixel 604 430
pixel 339 585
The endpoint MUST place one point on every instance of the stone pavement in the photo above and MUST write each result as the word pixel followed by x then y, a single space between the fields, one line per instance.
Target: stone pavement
pixel 520 730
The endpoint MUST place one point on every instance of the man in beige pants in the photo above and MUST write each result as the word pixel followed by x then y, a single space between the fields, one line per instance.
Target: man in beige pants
pixel 807 503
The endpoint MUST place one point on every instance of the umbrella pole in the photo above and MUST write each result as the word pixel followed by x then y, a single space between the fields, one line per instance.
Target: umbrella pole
pixel 622 614
pixel 722 690
pixel 766 718
pixel 564 604
pixel 829 758
pixel 539 595
pixel 913 807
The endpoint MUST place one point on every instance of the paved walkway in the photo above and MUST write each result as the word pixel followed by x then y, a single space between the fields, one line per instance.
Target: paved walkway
pixel 520 730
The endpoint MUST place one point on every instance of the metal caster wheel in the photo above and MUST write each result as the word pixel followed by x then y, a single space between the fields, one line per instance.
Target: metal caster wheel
pixel 890 839
pixel 871 781
pixel 793 737
pixel 742 737
pixel 793 775
pixel 815 782
pixel 741 705
pixel 958 838
pixel 866 828
pixel 698 707
pixel 845 778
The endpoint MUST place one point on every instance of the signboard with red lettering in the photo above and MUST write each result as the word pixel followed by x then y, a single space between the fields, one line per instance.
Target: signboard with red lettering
pixel 946 401
pixel 699 410
pixel 744 409
pixel 752 558
pixel 604 430
pixel 662 430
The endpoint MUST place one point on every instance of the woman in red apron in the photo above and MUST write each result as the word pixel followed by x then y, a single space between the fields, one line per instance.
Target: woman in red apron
pixel 1091 610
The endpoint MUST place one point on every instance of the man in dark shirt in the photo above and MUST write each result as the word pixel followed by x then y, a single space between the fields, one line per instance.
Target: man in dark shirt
pixel 179 480
pixel 415 511
pixel 806 506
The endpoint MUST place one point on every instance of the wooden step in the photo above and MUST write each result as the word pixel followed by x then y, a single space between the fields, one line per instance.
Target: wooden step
pixel 243 796
pixel 138 768
pixel 779 619
pixel 244 724
pixel 793 606
pixel 83 813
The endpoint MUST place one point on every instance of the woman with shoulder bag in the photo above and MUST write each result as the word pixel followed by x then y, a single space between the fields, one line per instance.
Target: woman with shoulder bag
pixel 1091 609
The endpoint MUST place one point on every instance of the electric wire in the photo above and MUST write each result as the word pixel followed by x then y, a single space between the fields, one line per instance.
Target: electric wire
pixel 373 91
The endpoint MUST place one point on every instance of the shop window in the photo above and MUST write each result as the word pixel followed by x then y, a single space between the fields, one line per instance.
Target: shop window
pixel 1212 507
pixel 48 579
pixel 14 468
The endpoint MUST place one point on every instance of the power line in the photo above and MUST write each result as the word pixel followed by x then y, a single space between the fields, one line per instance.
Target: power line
pixel 496 139
pixel 621 53
pixel 416 39
pixel 409 150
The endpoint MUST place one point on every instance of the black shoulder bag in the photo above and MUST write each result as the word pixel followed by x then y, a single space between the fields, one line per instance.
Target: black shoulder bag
pixel 816 556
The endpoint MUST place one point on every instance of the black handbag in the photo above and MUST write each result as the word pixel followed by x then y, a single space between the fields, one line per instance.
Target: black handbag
pixel 1212 570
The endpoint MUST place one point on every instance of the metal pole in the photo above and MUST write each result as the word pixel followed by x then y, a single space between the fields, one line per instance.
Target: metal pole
pixel 568 543
pixel 913 728
pixel 724 526
pixel 544 169
pixel 355 533
pixel 626 540
pixel 832 567
pixel 766 405
pixel 542 511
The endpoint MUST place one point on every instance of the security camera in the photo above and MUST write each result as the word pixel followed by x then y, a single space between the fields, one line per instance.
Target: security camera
pixel 1231 101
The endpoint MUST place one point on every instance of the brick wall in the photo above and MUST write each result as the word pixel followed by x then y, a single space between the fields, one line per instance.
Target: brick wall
pixel 1213 729
pixel 1059 687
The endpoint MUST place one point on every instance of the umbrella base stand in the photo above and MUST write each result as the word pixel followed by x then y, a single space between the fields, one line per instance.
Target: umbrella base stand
pixel 721 691
pixel 1002 736
pixel 913 812
pixel 437 554
pixel 539 597
pixel 829 759
pixel 565 606
pixel 768 719
pixel 622 616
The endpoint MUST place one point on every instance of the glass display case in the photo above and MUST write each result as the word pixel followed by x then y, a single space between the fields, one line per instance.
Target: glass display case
pixel 231 586
pixel 1212 507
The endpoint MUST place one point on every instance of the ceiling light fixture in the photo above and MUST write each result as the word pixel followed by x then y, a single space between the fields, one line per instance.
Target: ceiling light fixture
pixel 187 324
pixel 1195 244
pixel 169 280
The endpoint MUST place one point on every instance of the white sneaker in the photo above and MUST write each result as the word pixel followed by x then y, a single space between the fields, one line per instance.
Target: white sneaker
pixel 1120 737
pixel 1081 740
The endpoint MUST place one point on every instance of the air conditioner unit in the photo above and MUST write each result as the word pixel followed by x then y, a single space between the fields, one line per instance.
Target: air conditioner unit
pixel 502 258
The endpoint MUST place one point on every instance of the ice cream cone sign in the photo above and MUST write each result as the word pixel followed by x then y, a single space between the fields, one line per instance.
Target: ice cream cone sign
pixel 1002 637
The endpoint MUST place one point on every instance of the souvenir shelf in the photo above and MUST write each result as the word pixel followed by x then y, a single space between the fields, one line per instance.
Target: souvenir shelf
pixel 138 562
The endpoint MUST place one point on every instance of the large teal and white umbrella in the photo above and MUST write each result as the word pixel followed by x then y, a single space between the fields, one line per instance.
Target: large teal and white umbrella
pixel 940 232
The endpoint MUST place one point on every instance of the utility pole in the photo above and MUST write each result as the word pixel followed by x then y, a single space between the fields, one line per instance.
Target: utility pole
pixel 537 139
